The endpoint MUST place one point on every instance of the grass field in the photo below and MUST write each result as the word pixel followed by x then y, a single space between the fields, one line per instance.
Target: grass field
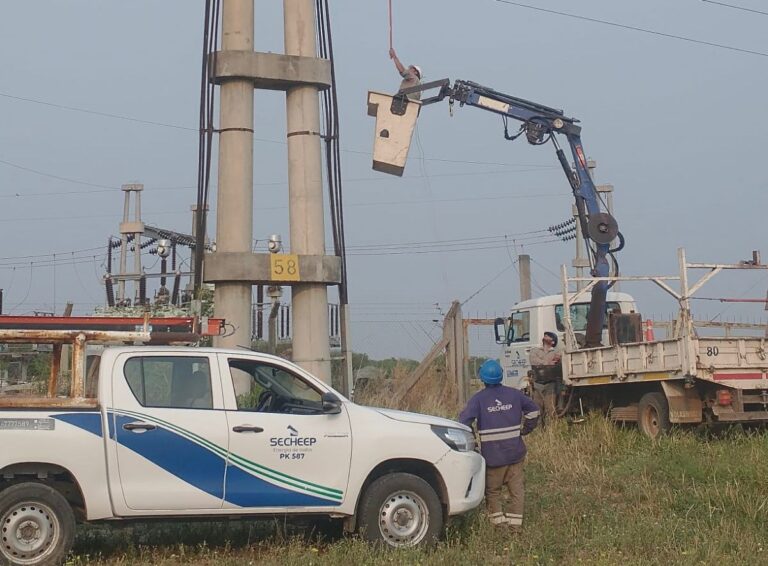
pixel 596 494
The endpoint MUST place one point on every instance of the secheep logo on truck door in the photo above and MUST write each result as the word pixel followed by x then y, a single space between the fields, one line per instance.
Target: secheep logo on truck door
pixel 293 446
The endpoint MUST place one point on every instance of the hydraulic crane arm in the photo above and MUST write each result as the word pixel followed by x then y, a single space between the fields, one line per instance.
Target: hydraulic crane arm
pixel 542 124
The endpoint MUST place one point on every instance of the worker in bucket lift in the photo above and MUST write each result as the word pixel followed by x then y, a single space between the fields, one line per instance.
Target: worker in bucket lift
pixel 547 374
pixel 411 75
pixel 503 415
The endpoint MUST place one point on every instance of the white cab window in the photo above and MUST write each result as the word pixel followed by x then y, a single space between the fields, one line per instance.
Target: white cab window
pixel 519 327
pixel 177 382
pixel 579 314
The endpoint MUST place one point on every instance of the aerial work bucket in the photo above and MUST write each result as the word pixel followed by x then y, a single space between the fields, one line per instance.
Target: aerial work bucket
pixel 395 120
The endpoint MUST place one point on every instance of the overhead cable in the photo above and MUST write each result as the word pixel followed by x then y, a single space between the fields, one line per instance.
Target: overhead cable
pixel 257 139
pixel 206 130
pixel 734 7
pixel 635 28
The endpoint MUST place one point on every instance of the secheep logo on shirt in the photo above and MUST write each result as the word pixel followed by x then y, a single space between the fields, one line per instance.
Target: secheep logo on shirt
pixel 499 406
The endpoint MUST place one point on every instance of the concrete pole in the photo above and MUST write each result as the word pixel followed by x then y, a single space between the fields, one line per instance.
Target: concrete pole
pixel 524 261
pixel 234 213
pixel 123 249
pixel 581 262
pixel 137 249
pixel 311 346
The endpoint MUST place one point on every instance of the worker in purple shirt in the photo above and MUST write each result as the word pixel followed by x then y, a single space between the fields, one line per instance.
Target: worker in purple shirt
pixel 503 416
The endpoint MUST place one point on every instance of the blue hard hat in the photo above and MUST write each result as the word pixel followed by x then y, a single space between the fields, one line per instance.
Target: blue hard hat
pixel 491 372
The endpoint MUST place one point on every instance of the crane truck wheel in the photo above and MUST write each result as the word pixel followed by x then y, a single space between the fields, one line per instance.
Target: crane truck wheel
pixel 37 525
pixel 653 415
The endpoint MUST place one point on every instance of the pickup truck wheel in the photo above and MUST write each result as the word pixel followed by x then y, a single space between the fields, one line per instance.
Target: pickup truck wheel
pixel 653 415
pixel 401 510
pixel 37 525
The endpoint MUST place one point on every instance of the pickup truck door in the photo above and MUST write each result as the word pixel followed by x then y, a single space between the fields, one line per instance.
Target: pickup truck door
pixel 170 440
pixel 284 452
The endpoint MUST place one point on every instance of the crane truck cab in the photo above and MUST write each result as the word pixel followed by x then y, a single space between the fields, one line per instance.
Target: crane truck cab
pixel 530 319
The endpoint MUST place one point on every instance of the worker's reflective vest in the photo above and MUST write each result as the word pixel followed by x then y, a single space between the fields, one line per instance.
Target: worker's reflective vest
pixel 503 415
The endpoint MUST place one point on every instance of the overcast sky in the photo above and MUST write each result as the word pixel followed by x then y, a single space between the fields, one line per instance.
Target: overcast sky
pixel 677 127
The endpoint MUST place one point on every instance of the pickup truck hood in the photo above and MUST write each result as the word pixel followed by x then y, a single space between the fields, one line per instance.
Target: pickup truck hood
pixel 407 417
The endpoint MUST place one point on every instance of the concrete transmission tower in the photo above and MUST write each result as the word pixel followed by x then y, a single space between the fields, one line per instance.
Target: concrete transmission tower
pixel 233 267
pixel 130 230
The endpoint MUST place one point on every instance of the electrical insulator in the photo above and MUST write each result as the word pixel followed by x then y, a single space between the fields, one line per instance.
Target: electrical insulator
pixel 175 292
pixel 143 290
pixel 110 291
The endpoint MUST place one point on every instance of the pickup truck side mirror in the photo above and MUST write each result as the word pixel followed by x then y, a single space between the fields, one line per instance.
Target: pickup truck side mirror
pixel 500 331
pixel 331 404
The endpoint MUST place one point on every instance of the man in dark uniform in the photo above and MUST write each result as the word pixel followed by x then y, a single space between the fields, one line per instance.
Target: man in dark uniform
pixel 503 416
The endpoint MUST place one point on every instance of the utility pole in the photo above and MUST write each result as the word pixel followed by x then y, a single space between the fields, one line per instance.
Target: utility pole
pixel 311 347
pixel 130 228
pixel 524 262
pixel 234 210
pixel 233 267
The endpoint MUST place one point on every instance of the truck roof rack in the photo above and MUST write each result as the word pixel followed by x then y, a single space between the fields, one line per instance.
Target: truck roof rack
pixel 78 331
pixel 107 329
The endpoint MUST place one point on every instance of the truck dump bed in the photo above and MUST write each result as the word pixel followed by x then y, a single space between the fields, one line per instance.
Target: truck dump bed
pixel 737 362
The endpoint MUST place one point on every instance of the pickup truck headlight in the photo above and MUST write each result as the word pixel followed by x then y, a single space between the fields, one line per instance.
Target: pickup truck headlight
pixel 456 438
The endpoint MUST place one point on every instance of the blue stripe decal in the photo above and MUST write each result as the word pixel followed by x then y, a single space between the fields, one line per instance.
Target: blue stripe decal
pixel 175 454
pixel 246 490
pixel 204 469
pixel 90 422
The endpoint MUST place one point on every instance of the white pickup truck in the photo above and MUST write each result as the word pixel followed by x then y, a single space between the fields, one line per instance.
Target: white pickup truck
pixel 182 432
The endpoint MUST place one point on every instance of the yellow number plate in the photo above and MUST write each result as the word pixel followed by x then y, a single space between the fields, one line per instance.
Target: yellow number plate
pixel 284 267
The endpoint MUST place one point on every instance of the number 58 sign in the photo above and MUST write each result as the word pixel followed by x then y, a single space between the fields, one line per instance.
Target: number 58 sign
pixel 284 267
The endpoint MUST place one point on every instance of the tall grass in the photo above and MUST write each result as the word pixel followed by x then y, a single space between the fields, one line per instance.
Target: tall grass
pixel 596 494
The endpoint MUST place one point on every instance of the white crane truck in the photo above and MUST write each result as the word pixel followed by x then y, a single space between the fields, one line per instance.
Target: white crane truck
pixel 688 378
pixel 148 432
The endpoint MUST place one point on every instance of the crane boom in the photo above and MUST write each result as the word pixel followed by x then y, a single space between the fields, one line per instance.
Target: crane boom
pixel 541 124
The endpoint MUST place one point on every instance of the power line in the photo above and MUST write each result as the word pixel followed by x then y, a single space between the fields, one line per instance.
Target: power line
pixel 733 7
pixel 545 268
pixel 97 113
pixel 634 28
pixel 81 217
pixel 103 188
pixel 51 254
pixel 57 177
pixel 454 241
pixel 258 139
pixel 494 278
pixel 447 250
